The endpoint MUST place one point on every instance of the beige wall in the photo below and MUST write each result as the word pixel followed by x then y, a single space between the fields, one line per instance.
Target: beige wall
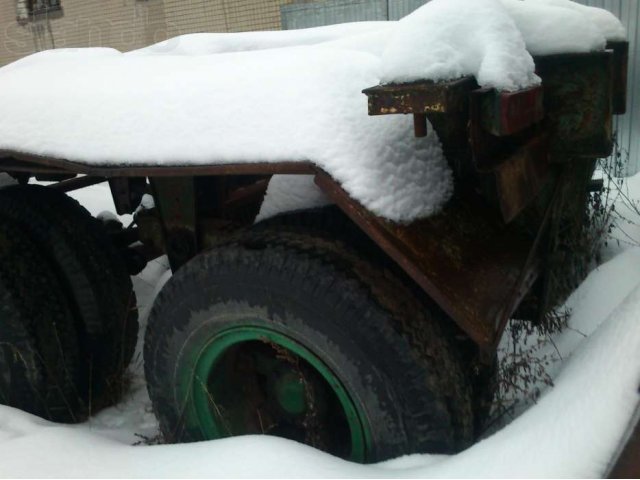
pixel 129 24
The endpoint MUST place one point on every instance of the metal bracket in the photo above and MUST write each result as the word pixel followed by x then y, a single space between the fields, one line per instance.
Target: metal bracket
pixel 175 200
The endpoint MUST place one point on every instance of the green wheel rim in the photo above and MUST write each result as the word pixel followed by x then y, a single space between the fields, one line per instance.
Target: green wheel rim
pixel 204 414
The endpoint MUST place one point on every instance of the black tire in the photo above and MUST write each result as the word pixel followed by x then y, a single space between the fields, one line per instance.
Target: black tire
pixel 389 351
pixel 21 378
pixel 94 277
pixel 331 223
pixel 7 180
pixel 37 326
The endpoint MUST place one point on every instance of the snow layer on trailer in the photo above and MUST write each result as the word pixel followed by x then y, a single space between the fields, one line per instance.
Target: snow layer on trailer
pixel 571 432
pixel 299 103
pixel 606 22
pixel 453 38
pixel 282 96
pixel 212 43
pixel 492 40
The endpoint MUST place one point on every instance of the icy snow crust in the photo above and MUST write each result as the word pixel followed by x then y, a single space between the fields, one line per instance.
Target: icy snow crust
pixel 287 96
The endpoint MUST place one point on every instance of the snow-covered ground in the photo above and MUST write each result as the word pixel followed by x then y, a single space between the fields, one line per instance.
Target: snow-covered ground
pixel 142 117
pixel 571 432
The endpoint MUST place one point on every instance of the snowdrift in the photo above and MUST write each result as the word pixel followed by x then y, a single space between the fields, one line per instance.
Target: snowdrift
pixel 288 96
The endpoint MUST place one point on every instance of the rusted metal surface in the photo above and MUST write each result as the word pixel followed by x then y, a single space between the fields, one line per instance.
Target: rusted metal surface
pixel 151 233
pixel 626 462
pixel 468 262
pixel 521 177
pixel 578 101
pixel 20 162
pixel 620 70
pixel 13 165
pixel 419 97
pixel 420 125
pixel 175 200
pixel 475 259
pixel 77 183
pixel 127 193
pixel 507 113
pixel 249 194
pixel 533 269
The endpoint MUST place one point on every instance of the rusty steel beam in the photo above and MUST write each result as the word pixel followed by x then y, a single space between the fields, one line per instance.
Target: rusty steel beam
pixel 21 162
pixel 77 183
pixel 127 193
pixel 176 202
pixel 468 262
pixel 13 165
pixel 420 97
pixel 246 195
pixel 507 113
pixel 578 101
pixel 420 125
pixel 521 177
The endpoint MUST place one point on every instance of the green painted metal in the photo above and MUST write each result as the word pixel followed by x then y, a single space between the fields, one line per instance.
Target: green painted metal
pixel 204 412
pixel 291 393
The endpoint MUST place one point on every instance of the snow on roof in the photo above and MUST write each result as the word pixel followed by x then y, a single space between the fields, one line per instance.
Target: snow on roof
pixel 285 96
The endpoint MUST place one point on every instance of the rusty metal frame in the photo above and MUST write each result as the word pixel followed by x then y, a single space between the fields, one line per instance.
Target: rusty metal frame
pixel 504 255
pixel 77 183
pixel 176 203
pixel 473 266
pixel 476 265
pixel 21 162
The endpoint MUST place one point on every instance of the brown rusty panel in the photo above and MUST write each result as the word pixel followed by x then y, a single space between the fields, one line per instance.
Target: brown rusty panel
pixel 578 101
pixel 77 183
pixel 467 261
pixel 620 69
pixel 175 201
pixel 521 177
pixel 507 113
pixel 127 193
pixel 420 125
pixel 16 166
pixel 420 97
pixel 21 162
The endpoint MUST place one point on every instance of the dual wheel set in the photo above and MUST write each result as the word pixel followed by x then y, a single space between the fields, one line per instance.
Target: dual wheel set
pixel 68 318
pixel 275 331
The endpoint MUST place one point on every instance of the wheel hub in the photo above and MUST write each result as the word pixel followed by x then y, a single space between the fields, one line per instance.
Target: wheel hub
pixel 253 380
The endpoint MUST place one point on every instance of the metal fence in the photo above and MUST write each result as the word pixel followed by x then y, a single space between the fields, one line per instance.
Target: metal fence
pixel 304 15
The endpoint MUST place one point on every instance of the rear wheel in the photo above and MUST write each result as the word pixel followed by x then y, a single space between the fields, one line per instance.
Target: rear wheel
pixel 40 360
pixel 91 275
pixel 293 336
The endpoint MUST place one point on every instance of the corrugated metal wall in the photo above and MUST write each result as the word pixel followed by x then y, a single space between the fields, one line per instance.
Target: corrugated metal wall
pixel 402 8
pixel 303 15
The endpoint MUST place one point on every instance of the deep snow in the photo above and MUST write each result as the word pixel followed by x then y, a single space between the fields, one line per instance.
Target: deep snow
pixel 288 96
pixel 571 432
pixel 575 426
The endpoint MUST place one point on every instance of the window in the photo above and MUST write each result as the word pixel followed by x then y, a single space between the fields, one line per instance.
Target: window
pixel 29 9
pixel 37 7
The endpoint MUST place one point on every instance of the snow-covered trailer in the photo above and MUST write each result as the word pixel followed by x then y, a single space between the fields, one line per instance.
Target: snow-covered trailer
pixel 351 327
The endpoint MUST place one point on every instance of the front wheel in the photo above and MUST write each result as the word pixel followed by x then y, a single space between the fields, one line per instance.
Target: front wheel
pixel 293 336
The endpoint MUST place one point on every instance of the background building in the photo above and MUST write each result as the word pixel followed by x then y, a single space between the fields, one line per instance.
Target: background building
pixel 33 25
